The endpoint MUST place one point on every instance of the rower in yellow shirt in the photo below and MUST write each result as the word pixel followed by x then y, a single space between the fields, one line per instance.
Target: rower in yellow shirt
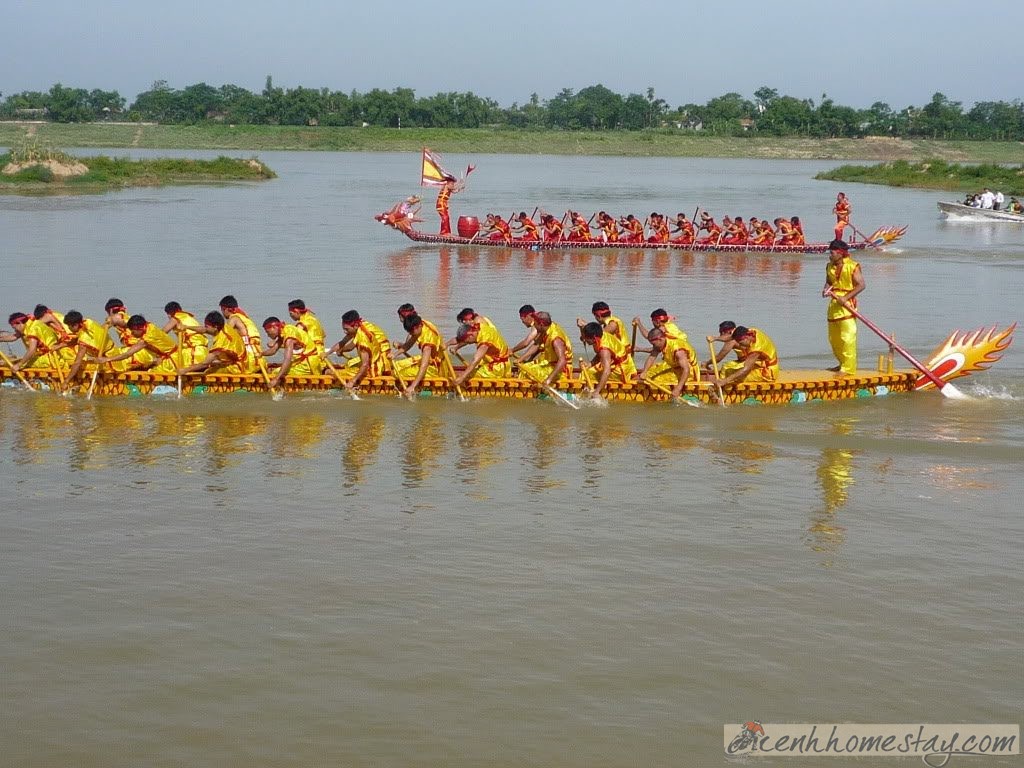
pixel 89 339
pixel 678 361
pixel 666 322
pixel 469 316
pixel 235 317
pixel 55 320
pixel 757 359
pixel 307 321
pixel 40 342
pixel 301 356
pixel 152 349
pixel 551 352
pixel 611 357
pixel 117 318
pixel 609 322
pixel 491 360
pixel 372 347
pixel 526 313
pixel 228 352
pixel 192 340
pixel 429 361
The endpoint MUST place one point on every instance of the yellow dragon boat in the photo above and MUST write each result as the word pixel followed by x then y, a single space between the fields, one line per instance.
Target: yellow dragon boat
pixel 960 355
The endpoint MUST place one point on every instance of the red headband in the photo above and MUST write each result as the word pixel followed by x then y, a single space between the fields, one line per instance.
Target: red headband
pixel 19 318
pixel 602 312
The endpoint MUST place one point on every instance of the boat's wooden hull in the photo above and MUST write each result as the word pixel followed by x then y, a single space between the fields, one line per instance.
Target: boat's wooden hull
pixel 793 386
pixel 562 245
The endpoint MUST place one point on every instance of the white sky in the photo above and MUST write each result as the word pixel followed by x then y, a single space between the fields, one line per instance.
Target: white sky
pixel 899 52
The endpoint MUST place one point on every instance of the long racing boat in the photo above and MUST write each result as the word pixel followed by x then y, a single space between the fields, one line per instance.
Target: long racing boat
pixel 879 238
pixel 960 355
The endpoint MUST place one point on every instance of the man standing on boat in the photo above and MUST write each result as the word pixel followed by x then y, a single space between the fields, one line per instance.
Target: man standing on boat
pixel 842 209
pixel 843 281
pixel 443 196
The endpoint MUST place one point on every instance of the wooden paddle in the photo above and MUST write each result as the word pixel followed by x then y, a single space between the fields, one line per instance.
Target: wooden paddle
pixel 55 364
pixel 103 350
pixel 714 367
pixel 181 352
pixel 399 382
pixel 559 397
pixel 662 388
pixel 944 387
pixel 337 375
pixel 586 373
pixel 450 373
pixel 17 373
pixel 257 350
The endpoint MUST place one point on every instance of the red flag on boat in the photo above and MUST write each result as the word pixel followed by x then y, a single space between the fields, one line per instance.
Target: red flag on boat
pixel 433 173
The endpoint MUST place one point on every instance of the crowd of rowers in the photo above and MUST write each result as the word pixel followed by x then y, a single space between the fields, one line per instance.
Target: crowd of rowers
pixel 657 228
pixel 229 342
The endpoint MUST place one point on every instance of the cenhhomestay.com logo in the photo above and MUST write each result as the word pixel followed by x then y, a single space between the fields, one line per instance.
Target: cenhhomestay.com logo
pixel 936 744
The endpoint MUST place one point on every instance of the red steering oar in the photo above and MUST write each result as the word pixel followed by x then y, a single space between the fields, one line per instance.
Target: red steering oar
pixel 944 387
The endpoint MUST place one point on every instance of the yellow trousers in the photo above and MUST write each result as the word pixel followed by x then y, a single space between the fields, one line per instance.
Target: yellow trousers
pixel 192 355
pixel 541 369
pixel 490 370
pixel 408 367
pixel 666 373
pixel 754 375
pixel 842 335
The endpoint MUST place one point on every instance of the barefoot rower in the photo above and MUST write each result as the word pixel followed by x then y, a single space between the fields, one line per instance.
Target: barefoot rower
pixel 843 282
pixel 191 337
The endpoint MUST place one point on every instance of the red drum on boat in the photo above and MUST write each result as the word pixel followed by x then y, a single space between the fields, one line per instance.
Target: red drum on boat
pixel 468 226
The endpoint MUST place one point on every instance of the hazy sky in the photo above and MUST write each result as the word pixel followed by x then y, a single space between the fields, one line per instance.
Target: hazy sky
pixel 899 51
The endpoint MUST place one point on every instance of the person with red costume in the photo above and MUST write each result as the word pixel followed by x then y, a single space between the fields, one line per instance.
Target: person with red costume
pixel 579 231
pixel 633 229
pixel 529 229
pixel 714 232
pixel 498 229
pixel 842 209
pixel 609 229
pixel 660 227
pixel 443 196
pixel 552 228
pixel 684 228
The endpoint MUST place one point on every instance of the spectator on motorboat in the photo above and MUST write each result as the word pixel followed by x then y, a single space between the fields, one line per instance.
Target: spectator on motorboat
pixel 999 200
pixel 987 199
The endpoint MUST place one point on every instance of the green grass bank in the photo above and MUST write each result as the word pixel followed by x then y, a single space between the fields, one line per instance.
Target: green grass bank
pixel 661 143
pixel 31 170
pixel 934 174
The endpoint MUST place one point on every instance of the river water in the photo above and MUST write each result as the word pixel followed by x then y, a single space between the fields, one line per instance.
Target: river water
pixel 234 581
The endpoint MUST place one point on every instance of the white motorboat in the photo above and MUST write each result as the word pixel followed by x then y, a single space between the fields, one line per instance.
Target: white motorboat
pixel 961 212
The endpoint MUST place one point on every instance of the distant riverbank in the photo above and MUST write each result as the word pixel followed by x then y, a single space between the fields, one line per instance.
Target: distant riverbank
pixel 502 141
pixel 933 174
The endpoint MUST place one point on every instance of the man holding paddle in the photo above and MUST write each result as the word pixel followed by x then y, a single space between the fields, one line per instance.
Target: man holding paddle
pixel 843 282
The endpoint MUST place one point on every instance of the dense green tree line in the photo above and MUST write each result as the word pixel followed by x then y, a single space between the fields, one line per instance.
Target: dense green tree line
pixel 595 108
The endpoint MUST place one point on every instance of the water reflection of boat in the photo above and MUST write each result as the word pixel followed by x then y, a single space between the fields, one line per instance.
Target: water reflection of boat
pixel 961 212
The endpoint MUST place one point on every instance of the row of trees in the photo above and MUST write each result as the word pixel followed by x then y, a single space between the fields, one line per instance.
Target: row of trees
pixel 594 108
